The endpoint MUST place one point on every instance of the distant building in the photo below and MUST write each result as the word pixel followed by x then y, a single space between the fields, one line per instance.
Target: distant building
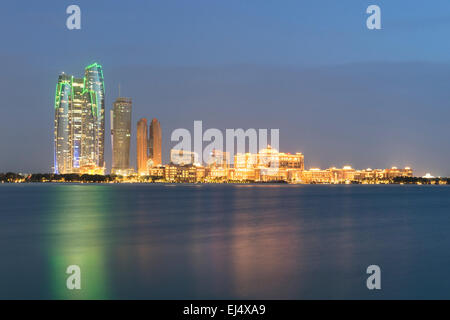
pixel 269 158
pixel 184 173
pixel 218 159
pixel 347 175
pixel 141 146
pixel 121 135
pixel 155 143
pixel 157 172
pixel 268 165
pixel 316 175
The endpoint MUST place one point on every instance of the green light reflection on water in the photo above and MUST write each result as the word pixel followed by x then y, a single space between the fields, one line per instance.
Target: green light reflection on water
pixel 77 225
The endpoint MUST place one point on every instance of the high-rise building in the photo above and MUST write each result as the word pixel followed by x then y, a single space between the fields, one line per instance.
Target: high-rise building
pixel 62 129
pixel 155 142
pixel 80 122
pixel 80 136
pixel 120 134
pixel 141 146
pixel 95 88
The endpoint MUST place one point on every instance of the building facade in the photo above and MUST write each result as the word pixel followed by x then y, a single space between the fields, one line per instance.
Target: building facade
pixel 141 146
pixel 94 87
pixel 155 142
pixel 79 122
pixel 63 126
pixel 121 135
pixel 183 157
pixel 349 175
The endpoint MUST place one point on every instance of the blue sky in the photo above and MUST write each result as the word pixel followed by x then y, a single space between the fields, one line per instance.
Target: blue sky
pixel 339 92
pixel 211 32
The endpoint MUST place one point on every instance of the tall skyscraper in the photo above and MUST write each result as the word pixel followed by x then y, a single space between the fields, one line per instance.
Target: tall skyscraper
pixel 120 134
pixel 141 146
pixel 78 109
pixel 80 123
pixel 155 142
pixel 62 131
pixel 94 85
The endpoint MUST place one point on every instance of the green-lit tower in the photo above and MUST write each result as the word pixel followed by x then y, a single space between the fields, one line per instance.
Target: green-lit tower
pixel 95 87
pixel 80 122
pixel 62 127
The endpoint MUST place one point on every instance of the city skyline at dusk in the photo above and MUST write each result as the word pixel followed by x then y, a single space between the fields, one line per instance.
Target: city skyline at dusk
pixel 225 159
pixel 356 98
pixel 78 147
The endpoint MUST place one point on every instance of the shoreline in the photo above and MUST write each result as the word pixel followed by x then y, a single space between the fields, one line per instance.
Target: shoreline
pixel 12 177
pixel 223 183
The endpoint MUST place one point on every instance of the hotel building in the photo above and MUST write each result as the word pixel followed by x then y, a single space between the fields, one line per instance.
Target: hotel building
pixel 155 143
pixel 183 157
pixel 141 146
pixel 80 123
pixel 347 175
pixel 267 165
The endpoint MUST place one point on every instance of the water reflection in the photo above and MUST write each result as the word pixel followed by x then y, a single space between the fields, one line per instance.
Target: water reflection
pixel 266 249
pixel 222 241
pixel 76 227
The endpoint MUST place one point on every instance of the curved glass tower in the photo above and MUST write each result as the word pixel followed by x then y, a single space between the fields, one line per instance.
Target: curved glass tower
pixel 95 88
pixel 79 133
pixel 62 130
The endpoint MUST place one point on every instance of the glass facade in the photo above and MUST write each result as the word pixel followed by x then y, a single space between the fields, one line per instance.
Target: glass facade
pixel 95 89
pixel 121 134
pixel 141 146
pixel 77 121
pixel 155 143
pixel 62 128
pixel 79 132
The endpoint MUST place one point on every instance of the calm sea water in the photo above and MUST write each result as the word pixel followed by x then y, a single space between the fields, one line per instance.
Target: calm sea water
pixel 224 241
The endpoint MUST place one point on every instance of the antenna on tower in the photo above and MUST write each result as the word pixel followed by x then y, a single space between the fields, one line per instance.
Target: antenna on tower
pixel 119 89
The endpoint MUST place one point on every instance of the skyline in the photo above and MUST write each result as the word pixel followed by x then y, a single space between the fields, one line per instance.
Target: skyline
pixel 338 92
pixel 72 81
pixel 79 132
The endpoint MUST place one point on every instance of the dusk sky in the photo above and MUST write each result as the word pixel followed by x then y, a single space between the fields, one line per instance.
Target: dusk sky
pixel 338 92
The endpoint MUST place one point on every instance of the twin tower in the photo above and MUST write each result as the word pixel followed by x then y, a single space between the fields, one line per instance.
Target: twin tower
pixel 149 145
pixel 79 128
